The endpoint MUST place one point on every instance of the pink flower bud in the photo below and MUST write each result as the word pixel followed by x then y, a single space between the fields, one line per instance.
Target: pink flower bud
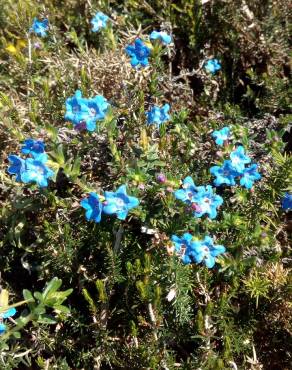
pixel 196 207
pixel 161 178
pixel 37 45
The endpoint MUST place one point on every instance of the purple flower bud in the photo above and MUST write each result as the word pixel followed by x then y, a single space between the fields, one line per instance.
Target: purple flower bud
pixel 81 126
pixel 161 178
pixel 37 45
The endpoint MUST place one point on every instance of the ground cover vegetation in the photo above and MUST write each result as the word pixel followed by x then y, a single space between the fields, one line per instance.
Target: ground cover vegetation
pixel 145 184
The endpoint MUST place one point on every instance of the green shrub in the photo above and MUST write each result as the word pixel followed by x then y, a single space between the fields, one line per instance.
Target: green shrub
pixel 128 302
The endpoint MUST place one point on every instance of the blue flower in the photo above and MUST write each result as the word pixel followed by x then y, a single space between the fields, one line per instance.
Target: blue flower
pixel 119 202
pixel 239 159
pixel 249 175
pixel 79 109
pixel 158 115
pixel 99 21
pixel 39 27
pixel 5 315
pixel 93 207
pixel 76 108
pixel 206 202
pixel 183 246
pixel 139 53
pixel 198 251
pixel 212 66
pixel 202 198
pixel 287 201
pixel 36 148
pixel 235 167
pixel 36 171
pixel 17 166
pixel 221 135
pixel 2 328
pixel 224 174
pixel 9 313
pixel 97 108
pixel 162 36
pixel 188 192
pixel 205 251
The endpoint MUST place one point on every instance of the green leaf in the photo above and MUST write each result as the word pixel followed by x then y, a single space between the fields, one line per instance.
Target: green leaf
pixel 46 319
pixel 52 131
pixel 16 335
pixel 38 296
pixel 61 309
pixel 52 287
pixel 39 310
pixel 27 295
pixel 58 155
pixel 57 297
pixel 100 286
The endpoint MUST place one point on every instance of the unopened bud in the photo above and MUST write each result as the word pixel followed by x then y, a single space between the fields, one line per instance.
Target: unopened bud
pixel 81 126
pixel 196 207
pixel 161 178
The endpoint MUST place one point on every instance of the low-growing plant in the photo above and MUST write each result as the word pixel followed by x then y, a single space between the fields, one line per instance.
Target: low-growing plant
pixel 144 169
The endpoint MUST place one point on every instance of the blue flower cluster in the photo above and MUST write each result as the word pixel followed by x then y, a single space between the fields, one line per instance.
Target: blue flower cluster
pixel 201 199
pixel 40 27
pixel 162 36
pixel 33 168
pixel 6 315
pixel 197 251
pixel 236 168
pixel 85 112
pixel 118 203
pixel 157 115
pixel 140 52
